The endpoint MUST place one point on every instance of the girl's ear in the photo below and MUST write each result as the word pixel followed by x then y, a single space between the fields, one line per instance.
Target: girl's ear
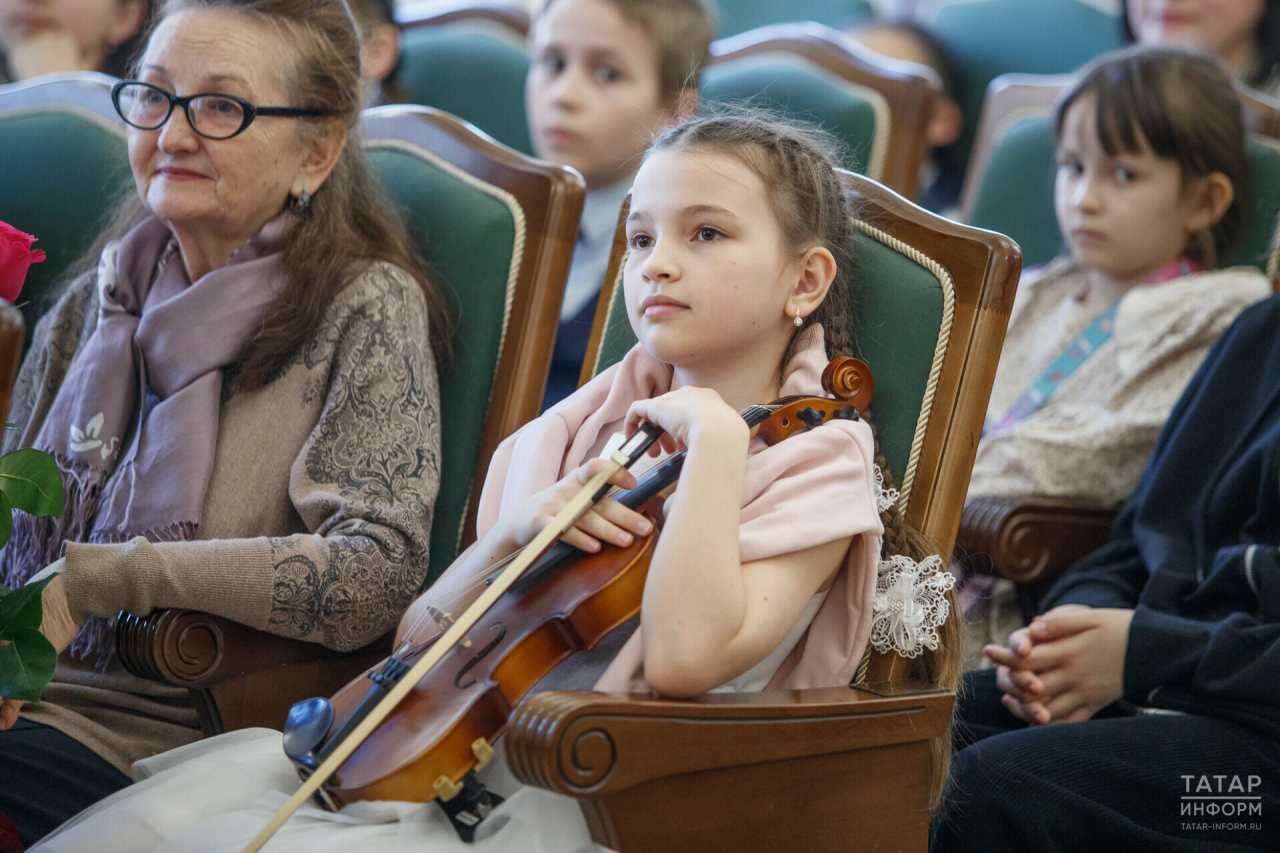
pixel 1209 199
pixel 817 271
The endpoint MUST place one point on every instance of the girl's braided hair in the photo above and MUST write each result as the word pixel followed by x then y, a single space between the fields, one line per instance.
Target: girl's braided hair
pixel 796 163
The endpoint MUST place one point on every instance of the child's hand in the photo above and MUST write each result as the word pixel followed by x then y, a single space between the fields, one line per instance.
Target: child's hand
pixel 687 415
pixel 609 521
pixel 1016 677
pixel 1076 664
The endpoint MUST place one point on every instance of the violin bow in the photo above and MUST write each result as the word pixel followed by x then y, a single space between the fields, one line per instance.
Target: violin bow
pixel 594 489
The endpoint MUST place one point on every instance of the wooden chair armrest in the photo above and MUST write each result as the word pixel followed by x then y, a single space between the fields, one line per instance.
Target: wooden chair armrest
pixel 1030 539
pixel 589 744
pixel 239 677
pixel 193 649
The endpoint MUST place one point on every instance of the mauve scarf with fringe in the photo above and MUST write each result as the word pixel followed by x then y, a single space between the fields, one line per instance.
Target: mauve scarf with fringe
pixel 156 332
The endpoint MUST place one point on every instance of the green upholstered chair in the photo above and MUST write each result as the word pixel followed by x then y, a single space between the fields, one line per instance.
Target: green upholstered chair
pixel 65 163
pixel 796 88
pixel 471 70
pixel 987 38
pixel 738 16
pixel 1015 196
pixel 900 93
pixel 736 771
pixel 498 230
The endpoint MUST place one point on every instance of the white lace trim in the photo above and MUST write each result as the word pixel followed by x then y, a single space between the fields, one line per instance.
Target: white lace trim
pixel 885 498
pixel 910 605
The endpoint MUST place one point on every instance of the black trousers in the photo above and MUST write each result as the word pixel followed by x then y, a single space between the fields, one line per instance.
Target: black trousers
pixel 1120 781
pixel 47 777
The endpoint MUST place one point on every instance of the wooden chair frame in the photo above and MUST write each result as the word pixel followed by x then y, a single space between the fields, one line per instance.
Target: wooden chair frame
pixel 515 19
pixel 837 767
pixel 908 88
pixel 241 677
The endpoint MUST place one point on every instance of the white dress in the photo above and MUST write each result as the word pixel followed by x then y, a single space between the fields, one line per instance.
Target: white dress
pixel 215 795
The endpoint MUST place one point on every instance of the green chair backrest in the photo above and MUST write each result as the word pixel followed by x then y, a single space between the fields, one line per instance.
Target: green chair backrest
pixel 987 38
pixel 800 90
pixel 65 164
pixel 468 231
pixel 898 308
pixel 474 72
pixel 1016 194
pixel 738 16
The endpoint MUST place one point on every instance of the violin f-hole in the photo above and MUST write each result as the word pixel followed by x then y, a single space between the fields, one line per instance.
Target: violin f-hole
pixel 479 656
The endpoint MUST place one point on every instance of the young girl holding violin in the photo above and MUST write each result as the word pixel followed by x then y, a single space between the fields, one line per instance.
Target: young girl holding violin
pixel 765 571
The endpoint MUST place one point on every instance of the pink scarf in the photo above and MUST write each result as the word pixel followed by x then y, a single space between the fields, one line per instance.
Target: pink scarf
pixel 812 488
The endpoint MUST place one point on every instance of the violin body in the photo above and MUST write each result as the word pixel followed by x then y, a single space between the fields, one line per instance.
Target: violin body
pixel 474 689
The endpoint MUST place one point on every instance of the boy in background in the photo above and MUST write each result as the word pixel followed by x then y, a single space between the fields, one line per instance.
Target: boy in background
pixel 607 75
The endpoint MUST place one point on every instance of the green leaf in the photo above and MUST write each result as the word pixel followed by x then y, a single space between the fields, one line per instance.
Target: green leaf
pixel 26 665
pixel 31 481
pixel 6 519
pixel 22 609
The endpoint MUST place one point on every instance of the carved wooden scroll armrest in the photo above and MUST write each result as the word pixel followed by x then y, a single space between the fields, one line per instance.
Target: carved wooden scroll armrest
pixel 193 649
pixel 239 677
pixel 1029 539
pixel 588 744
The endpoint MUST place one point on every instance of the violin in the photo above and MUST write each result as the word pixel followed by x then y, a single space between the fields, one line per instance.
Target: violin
pixel 566 601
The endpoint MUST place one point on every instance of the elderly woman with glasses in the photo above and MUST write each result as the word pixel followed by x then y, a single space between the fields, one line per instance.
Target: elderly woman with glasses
pixel 239 387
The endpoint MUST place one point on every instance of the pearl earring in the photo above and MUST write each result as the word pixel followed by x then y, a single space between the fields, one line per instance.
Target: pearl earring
pixel 798 320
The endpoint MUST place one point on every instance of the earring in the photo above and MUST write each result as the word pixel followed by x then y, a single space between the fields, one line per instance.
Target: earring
pixel 799 321
pixel 300 202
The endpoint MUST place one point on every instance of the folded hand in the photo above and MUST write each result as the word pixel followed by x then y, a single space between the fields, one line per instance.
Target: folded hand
pixel 1064 667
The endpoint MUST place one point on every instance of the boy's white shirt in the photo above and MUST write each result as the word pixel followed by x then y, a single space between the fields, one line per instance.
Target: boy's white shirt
pixel 595 242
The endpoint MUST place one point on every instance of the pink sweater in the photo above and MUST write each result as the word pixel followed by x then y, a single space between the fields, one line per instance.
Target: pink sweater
pixel 815 487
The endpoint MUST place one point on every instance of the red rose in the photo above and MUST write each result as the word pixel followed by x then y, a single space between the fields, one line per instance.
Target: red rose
pixel 16 256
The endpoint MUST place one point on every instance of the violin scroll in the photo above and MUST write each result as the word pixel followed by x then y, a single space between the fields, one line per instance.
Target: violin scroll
pixel 849 379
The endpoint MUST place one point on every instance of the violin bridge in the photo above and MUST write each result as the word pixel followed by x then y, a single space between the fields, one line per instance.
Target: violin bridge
pixel 445 621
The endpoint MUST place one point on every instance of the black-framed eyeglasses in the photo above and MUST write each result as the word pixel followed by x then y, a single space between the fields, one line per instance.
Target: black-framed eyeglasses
pixel 212 115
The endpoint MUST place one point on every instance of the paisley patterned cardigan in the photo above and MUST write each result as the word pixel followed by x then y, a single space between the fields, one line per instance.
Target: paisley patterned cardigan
pixel 316 521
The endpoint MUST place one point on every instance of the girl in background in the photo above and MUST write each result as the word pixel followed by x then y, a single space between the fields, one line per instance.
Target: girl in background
pixel 1149 195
